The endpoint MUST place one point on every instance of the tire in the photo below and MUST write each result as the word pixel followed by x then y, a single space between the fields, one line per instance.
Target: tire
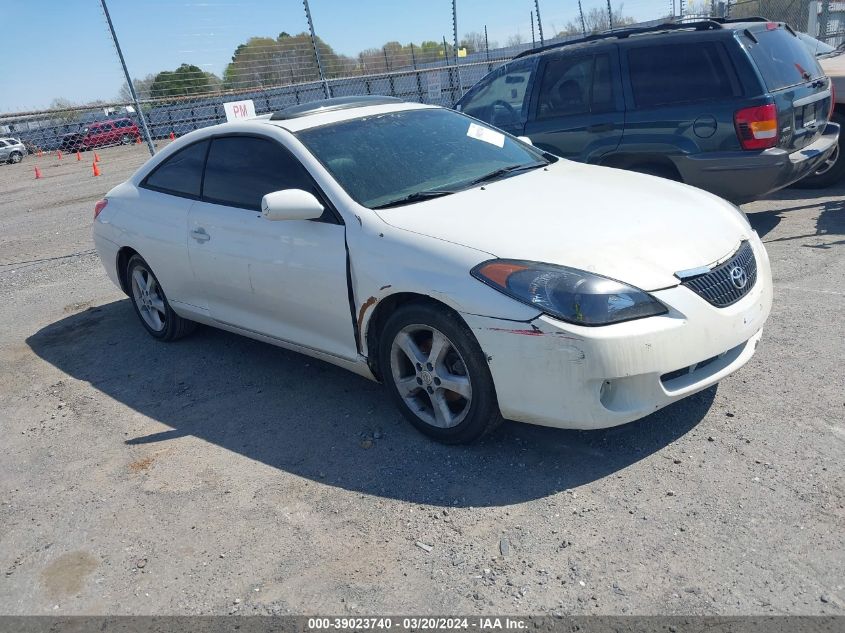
pixel 833 169
pixel 419 388
pixel 151 304
pixel 15 157
pixel 126 139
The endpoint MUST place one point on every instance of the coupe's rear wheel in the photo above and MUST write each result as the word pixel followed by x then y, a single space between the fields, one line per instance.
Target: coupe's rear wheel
pixel 437 374
pixel 151 305
pixel 15 157
pixel 127 139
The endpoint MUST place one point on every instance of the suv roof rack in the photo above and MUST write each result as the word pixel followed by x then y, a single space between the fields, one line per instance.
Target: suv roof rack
pixel 330 105
pixel 698 25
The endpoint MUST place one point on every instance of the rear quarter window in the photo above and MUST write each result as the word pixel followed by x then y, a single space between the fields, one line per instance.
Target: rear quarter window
pixel 782 59
pixel 668 74
pixel 181 174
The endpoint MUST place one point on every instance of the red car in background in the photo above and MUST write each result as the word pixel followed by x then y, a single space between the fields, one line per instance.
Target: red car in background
pixel 99 133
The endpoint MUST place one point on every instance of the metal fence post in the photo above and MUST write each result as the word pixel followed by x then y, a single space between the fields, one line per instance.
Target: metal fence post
pixel 129 83
pixel 449 68
pixel 387 70
pixel 609 16
pixel 824 20
pixel 416 73
pixel 540 21
pixel 455 36
pixel 583 22
pixel 487 48
pixel 326 89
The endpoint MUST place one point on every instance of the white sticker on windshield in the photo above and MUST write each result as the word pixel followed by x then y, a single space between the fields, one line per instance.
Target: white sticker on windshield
pixel 486 134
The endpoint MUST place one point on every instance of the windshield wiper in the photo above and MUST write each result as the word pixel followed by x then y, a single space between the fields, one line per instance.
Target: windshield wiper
pixel 493 175
pixel 417 196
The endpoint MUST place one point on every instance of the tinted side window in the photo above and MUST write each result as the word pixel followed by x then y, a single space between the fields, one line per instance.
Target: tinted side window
pixel 566 87
pixel 503 98
pixel 181 174
pixel 241 169
pixel 681 73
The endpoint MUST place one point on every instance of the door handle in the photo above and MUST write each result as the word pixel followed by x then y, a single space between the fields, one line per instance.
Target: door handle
pixel 600 127
pixel 200 235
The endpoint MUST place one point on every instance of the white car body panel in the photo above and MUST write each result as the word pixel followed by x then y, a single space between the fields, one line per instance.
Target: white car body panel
pixel 285 282
pixel 599 226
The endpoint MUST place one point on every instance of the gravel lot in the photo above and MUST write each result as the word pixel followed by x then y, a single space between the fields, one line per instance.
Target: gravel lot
pixel 220 475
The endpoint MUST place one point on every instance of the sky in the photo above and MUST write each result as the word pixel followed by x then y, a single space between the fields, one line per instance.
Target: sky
pixel 62 48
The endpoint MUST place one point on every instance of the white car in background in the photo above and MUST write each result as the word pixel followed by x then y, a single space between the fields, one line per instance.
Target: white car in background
pixel 476 276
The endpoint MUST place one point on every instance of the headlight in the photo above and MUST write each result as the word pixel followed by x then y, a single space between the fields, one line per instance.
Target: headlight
pixel 568 294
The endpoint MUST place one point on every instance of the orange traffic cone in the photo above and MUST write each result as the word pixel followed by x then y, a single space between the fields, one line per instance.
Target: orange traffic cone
pixel 60 154
pixel 96 157
pixel 37 173
pixel 78 155
pixel 137 140
pixel 172 136
pixel 94 169
pixel 39 154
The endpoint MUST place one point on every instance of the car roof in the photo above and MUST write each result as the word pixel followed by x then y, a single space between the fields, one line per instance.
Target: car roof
pixel 708 28
pixel 328 111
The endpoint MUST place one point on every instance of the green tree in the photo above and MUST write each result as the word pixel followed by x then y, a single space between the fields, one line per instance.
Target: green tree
pixel 185 80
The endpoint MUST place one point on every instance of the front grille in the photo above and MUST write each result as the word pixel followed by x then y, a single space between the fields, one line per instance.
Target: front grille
pixel 722 286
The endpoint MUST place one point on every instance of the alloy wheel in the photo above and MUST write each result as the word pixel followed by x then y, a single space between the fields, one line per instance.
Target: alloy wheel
pixel 148 298
pixel 430 376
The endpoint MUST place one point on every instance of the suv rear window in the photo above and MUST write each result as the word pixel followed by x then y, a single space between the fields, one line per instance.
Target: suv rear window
pixel 681 73
pixel 782 59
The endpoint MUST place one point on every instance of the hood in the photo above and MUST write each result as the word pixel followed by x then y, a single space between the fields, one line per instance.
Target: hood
pixel 633 228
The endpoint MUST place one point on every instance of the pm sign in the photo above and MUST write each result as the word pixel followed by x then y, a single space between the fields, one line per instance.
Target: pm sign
pixel 236 110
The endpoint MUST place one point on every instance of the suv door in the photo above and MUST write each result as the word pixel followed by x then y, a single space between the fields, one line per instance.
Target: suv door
pixel 283 279
pixel 502 97
pixel 681 95
pixel 578 110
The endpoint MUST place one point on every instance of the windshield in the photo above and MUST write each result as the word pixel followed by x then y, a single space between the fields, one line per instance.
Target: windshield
pixel 407 156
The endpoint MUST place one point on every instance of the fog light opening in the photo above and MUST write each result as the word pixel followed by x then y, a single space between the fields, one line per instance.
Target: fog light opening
pixel 606 392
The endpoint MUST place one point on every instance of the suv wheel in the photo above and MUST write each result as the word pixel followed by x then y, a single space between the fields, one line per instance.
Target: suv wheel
pixel 126 139
pixel 833 169
pixel 15 157
pixel 437 374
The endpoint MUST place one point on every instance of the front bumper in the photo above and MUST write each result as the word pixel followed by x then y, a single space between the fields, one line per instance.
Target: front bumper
pixel 556 374
pixel 745 176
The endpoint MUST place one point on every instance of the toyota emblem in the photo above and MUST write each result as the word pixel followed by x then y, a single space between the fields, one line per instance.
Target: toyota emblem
pixel 739 278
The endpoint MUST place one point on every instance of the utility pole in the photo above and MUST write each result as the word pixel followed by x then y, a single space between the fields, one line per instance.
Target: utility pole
pixel 533 41
pixel 609 16
pixel 129 83
pixel 326 89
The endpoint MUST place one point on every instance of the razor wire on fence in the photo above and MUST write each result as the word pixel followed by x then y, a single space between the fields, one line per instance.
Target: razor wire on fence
pixel 291 69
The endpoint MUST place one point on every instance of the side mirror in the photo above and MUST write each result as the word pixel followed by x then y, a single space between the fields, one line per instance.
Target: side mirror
pixel 525 140
pixel 291 204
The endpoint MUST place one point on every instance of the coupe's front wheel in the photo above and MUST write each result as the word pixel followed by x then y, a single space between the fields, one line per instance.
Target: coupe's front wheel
pixel 437 374
pixel 151 305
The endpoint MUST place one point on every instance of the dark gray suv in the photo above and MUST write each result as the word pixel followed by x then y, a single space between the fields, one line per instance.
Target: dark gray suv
pixel 740 109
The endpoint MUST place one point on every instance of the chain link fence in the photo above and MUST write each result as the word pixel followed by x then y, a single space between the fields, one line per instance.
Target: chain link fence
pixel 293 69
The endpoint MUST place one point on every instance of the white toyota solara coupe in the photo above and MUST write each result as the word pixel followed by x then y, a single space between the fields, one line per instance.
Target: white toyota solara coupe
pixel 476 276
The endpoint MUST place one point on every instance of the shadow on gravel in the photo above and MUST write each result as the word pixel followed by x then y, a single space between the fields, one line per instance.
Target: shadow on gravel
pixel 314 420
pixel 831 220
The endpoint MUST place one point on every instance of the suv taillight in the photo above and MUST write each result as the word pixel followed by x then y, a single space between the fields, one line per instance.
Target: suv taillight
pixel 101 204
pixel 757 127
